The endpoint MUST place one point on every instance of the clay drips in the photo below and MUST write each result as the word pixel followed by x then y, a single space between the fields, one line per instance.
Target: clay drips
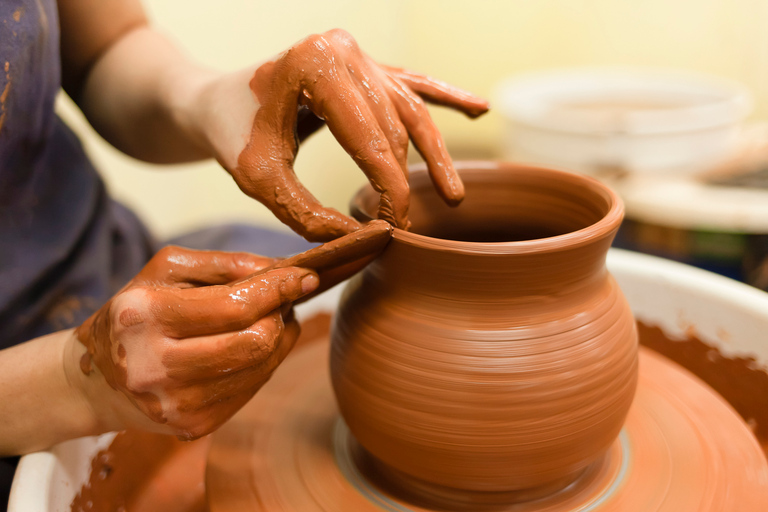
pixel 505 364
pixel 372 111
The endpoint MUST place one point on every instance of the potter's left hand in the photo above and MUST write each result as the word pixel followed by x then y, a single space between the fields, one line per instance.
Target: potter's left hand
pixel 371 109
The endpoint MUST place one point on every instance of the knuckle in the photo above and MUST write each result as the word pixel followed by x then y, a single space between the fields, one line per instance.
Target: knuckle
pixel 257 351
pixel 128 309
pixel 316 48
pixel 167 253
pixel 400 139
pixel 417 103
pixel 139 385
pixel 315 228
pixel 313 40
pixel 342 37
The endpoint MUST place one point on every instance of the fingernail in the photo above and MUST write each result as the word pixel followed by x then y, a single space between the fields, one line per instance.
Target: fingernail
pixel 309 283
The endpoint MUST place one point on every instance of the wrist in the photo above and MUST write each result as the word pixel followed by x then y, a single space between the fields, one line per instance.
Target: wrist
pixel 90 394
pixel 220 111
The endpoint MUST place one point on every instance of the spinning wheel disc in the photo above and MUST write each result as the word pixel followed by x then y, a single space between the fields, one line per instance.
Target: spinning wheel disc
pixel 682 448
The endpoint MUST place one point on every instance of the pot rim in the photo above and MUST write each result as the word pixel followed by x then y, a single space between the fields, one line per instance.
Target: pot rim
pixel 605 227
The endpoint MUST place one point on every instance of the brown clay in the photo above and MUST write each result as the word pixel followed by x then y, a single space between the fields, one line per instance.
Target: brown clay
pixel 339 259
pixel 265 447
pixel 146 472
pixel 741 381
pixel 682 448
pixel 185 347
pixel 372 111
pixel 489 349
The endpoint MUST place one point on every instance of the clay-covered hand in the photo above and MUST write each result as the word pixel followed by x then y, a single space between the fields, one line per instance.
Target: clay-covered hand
pixel 371 109
pixel 182 348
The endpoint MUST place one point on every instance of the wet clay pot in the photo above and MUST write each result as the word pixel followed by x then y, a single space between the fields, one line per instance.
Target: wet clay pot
pixel 489 349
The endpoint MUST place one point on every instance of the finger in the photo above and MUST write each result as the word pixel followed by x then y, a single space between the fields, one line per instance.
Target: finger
pixel 332 276
pixel 183 313
pixel 369 83
pixel 295 206
pixel 207 357
pixel 202 407
pixel 265 167
pixel 428 142
pixel 350 119
pixel 175 265
pixel 441 93
pixel 194 425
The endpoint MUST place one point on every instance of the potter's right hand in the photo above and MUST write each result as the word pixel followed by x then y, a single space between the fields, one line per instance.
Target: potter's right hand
pixel 182 348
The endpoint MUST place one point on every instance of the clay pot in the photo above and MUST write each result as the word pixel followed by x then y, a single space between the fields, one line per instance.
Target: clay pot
pixel 489 349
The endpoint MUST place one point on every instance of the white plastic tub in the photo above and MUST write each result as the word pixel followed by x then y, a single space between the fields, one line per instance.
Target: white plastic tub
pixel 675 297
pixel 633 120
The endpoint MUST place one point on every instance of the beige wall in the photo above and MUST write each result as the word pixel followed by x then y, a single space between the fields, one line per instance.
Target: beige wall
pixel 470 43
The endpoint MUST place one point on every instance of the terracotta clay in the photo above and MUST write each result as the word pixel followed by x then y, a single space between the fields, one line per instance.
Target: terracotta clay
pixel 146 472
pixel 183 349
pixel 489 349
pixel 142 471
pixel 683 448
pixel 264 447
pixel 339 259
pixel 371 110
pixel 740 380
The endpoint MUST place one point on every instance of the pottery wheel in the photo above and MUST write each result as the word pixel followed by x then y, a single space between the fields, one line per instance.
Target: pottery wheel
pixel 683 448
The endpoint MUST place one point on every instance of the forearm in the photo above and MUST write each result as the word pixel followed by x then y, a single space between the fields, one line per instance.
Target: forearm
pixel 142 95
pixel 43 397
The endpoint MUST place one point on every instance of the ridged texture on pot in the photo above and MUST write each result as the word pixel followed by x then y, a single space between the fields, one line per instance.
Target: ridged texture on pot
pixel 490 366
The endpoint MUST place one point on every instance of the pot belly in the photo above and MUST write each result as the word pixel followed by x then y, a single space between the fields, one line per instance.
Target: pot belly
pixel 498 401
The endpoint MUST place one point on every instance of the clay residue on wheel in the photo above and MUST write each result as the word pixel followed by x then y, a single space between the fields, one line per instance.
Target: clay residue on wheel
pixel 740 380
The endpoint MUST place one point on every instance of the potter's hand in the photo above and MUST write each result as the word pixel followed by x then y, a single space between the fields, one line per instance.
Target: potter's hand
pixel 182 349
pixel 371 109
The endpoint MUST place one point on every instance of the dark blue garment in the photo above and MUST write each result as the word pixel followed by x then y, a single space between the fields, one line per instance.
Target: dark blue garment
pixel 65 246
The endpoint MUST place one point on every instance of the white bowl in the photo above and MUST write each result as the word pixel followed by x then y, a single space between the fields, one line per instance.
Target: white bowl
pixel 663 293
pixel 634 120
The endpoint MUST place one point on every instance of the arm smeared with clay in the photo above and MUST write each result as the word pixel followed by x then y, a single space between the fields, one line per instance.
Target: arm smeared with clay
pixel 372 110
pixel 151 101
pixel 178 350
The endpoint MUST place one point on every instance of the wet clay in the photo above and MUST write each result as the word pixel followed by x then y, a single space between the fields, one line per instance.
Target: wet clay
pixel 140 458
pixel 185 347
pixel 742 382
pixel 371 110
pixel 682 448
pixel 501 365
pixel 339 259
pixel 196 333
pixel 146 472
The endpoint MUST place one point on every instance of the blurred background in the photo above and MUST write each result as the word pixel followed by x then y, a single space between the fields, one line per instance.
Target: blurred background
pixel 474 45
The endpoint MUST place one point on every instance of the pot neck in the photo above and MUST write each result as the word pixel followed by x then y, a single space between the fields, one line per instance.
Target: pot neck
pixel 491 274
